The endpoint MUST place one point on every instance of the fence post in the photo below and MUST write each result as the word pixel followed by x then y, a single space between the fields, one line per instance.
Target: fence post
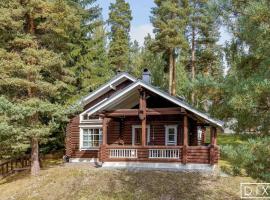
pixel 2 169
pixel 11 163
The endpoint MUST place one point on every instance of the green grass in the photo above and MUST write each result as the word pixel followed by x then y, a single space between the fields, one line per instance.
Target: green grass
pixel 228 139
pixel 82 182
pixel 236 139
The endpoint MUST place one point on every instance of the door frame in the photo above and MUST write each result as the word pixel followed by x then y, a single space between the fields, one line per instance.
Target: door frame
pixel 167 127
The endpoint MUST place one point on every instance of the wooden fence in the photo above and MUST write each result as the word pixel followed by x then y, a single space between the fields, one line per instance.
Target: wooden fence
pixel 14 165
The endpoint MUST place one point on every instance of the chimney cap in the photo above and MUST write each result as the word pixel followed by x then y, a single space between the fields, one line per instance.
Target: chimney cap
pixel 146 71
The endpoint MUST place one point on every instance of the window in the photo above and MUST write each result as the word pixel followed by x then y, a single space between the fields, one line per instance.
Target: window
pixel 171 135
pixel 91 137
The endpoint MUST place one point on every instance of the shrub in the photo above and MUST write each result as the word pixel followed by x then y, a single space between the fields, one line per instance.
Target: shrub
pixel 253 157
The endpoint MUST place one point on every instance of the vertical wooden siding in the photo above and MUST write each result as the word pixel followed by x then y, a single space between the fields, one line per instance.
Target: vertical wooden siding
pixel 108 94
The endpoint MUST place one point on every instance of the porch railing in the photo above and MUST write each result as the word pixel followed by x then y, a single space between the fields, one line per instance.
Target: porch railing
pixel 14 165
pixel 164 153
pixel 123 153
pixel 194 154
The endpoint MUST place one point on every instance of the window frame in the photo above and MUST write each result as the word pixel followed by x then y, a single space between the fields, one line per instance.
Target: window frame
pixel 99 127
pixel 167 127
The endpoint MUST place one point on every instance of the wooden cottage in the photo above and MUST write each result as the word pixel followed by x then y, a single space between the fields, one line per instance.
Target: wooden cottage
pixel 129 122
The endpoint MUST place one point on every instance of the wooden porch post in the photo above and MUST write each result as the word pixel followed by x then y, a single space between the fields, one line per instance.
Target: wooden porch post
pixel 103 154
pixel 104 131
pixel 185 140
pixel 213 133
pixel 142 115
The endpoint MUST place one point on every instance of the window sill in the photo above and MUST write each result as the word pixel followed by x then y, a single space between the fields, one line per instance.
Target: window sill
pixel 89 149
pixel 171 144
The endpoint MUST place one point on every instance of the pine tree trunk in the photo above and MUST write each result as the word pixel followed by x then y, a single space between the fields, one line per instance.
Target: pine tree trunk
pixel 193 60
pixel 170 71
pixel 35 165
pixel 35 168
pixel 174 75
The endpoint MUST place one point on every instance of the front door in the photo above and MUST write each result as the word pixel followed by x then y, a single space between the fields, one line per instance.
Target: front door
pixel 137 134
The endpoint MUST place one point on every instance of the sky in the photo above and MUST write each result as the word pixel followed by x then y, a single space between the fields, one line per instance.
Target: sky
pixel 141 25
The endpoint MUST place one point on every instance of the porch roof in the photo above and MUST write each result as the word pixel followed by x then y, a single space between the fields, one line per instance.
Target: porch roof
pixel 139 83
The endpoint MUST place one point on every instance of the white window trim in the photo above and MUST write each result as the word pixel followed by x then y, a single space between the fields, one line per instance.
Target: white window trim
pixel 167 127
pixel 140 126
pixel 81 136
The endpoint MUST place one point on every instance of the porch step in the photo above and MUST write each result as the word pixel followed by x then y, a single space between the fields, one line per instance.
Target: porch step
pixel 160 166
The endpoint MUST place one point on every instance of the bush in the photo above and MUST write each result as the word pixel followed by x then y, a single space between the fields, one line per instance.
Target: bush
pixel 253 157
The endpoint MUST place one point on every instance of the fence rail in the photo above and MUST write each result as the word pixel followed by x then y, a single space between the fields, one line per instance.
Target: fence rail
pixel 123 153
pixel 164 153
pixel 10 166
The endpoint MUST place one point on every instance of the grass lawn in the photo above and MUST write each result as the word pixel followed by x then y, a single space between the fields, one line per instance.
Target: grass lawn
pixel 225 139
pixel 82 181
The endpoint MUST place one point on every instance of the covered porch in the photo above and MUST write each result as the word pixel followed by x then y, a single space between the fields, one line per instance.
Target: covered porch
pixel 160 135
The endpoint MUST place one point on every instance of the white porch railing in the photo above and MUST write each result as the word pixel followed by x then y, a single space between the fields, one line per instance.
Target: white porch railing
pixel 164 153
pixel 123 153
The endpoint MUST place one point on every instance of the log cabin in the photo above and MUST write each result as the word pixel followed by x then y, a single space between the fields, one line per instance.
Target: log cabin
pixel 128 122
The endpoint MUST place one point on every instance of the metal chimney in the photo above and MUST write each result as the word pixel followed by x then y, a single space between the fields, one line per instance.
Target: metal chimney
pixel 146 76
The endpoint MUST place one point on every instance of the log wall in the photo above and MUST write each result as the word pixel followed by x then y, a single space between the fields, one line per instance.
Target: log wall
pixel 122 134
pixel 73 141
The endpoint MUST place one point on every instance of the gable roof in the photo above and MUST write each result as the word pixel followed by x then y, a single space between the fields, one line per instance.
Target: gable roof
pixel 118 79
pixel 139 83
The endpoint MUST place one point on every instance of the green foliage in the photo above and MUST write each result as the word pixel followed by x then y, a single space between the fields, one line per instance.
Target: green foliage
pixel 88 57
pixel 252 156
pixel 146 58
pixel 246 94
pixel 119 21
pixel 203 25
pixel 203 60
pixel 169 21
pixel 34 81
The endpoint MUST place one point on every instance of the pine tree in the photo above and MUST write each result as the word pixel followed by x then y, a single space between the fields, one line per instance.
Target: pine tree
pixel 88 58
pixel 135 59
pixel 246 89
pixel 169 20
pixel 205 58
pixel 154 62
pixel 34 42
pixel 119 21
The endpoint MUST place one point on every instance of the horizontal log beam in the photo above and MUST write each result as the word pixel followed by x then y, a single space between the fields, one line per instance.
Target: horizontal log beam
pixel 149 111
